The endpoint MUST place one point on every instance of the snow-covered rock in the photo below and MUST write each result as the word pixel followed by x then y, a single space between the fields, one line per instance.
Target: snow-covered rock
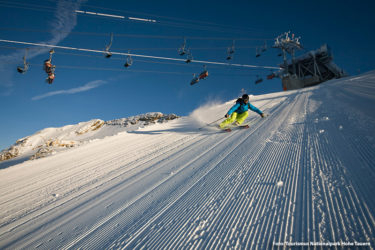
pixel 92 126
pixel 51 140
pixel 148 118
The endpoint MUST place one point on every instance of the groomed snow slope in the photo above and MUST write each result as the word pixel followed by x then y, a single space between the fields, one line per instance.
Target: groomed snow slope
pixel 304 174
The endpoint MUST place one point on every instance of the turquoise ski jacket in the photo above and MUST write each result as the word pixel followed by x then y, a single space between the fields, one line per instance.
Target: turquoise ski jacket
pixel 241 107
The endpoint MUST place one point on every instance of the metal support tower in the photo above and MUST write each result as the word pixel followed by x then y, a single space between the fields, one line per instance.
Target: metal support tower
pixel 288 45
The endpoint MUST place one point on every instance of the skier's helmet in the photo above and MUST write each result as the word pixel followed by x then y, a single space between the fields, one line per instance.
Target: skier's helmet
pixel 245 97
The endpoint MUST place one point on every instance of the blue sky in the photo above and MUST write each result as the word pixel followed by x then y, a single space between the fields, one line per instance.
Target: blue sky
pixel 89 86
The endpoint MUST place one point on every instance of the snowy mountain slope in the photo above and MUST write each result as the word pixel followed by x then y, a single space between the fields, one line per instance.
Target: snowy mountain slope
pixel 302 175
pixel 51 140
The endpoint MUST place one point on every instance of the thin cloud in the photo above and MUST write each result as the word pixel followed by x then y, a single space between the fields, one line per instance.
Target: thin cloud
pixel 64 22
pixel 88 86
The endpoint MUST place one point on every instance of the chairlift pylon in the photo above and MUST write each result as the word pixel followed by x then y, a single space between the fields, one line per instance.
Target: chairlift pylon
pixel 25 64
pixel 107 53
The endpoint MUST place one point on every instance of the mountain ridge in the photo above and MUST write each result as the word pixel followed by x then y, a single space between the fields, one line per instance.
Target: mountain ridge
pixel 48 141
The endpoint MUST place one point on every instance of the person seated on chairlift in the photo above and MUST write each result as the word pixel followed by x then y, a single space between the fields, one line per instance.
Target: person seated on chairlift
pixel 48 66
pixel 50 78
pixel 203 75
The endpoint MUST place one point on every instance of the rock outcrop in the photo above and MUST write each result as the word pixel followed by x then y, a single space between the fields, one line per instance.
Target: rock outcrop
pixel 146 119
pixel 51 140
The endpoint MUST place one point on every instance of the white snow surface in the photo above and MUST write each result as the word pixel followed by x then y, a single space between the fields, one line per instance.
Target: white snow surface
pixel 303 175
pixel 52 140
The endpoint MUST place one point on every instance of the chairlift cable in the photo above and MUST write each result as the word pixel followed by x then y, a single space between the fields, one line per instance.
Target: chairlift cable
pixel 178 22
pixel 137 55
pixel 115 59
pixel 135 70
pixel 163 17
pixel 183 23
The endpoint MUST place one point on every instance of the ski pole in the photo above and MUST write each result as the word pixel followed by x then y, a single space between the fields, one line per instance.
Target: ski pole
pixel 211 123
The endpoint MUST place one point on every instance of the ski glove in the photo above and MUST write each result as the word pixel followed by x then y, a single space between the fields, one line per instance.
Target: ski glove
pixel 262 115
pixel 226 116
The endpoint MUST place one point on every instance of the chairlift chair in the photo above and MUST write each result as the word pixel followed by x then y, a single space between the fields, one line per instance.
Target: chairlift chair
pixel 189 57
pixel 230 52
pixel 129 61
pixel 25 65
pixel 182 50
pixel 257 54
pixel 51 75
pixel 271 76
pixel 258 80
pixel 107 53
pixel 50 78
pixel 264 48
pixel 204 73
pixel 194 80
pixel 24 69
pixel 48 63
pixel 49 68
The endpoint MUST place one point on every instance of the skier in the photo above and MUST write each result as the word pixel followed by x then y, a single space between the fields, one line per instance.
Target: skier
pixel 239 112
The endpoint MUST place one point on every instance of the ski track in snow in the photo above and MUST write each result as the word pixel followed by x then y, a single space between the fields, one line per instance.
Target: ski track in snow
pixel 303 174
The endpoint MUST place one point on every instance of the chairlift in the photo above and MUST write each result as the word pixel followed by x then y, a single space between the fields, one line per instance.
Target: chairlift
pixel 189 57
pixel 107 53
pixel 48 63
pixel 264 48
pixel 257 53
pixel 129 60
pixel 271 76
pixel 258 80
pixel 25 65
pixel 49 68
pixel 182 50
pixel 51 77
pixel 204 73
pixel 230 51
pixel 194 80
pixel 229 57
